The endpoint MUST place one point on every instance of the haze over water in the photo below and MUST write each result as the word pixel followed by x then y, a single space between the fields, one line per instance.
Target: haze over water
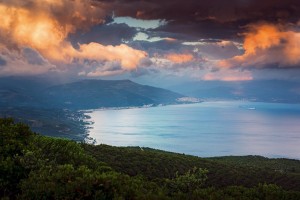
pixel 205 129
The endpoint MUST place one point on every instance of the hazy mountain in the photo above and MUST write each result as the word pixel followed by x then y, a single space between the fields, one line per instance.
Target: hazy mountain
pixel 22 91
pixel 84 94
pixel 88 94
pixel 266 90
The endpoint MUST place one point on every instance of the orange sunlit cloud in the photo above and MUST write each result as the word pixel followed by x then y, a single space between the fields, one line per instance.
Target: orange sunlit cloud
pixel 267 44
pixel 128 57
pixel 179 58
pixel 170 39
pixel 38 31
pixel 45 25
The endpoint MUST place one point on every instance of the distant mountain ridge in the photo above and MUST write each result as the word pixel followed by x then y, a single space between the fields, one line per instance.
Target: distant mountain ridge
pixel 84 94
pixel 283 91
pixel 89 94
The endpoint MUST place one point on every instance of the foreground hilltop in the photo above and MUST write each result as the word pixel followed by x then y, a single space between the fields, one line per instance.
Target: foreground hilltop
pixel 38 167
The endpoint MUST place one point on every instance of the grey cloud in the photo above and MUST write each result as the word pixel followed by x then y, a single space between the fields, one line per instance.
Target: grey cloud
pixel 287 74
pixel 143 71
pixel 146 62
pixel 193 19
pixel 220 50
pixel 2 62
pixel 33 57
pixel 106 34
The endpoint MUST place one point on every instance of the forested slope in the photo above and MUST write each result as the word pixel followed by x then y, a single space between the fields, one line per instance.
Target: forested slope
pixel 38 167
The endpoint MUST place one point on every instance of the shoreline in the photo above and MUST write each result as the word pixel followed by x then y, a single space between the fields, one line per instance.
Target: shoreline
pixel 142 148
pixel 137 107
pixel 177 104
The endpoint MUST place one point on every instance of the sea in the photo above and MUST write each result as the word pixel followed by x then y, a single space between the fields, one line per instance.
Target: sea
pixel 207 129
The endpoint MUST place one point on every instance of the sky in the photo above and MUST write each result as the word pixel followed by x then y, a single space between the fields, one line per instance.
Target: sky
pixel 151 41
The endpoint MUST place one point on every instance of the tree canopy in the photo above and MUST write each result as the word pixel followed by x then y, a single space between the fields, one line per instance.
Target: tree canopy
pixel 33 166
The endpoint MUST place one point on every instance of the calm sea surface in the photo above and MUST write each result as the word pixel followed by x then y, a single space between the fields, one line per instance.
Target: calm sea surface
pixel 204 129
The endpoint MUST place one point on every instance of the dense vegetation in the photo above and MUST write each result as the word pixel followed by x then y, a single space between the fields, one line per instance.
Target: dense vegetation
pixel 38 167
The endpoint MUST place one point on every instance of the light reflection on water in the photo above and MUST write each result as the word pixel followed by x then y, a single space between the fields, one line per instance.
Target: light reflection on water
pixel 205 129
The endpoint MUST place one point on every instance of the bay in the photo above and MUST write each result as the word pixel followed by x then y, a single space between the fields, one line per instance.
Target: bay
pixel 206 129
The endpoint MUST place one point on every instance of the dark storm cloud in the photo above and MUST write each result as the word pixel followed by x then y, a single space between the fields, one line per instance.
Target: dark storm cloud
pixel 208 19
pixel 161 45
pixel 106 34
pixel 218 10
pixel 200 29
pixel 260 26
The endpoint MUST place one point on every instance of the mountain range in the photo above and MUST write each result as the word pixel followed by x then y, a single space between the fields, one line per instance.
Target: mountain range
pixel 90 94
pixel 282 91
pixel 83 94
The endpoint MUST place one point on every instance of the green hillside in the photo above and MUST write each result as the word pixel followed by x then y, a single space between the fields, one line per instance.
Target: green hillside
pixel 39 167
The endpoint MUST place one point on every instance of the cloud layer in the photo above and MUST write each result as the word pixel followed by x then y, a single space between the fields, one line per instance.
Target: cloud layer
pixel 209 40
